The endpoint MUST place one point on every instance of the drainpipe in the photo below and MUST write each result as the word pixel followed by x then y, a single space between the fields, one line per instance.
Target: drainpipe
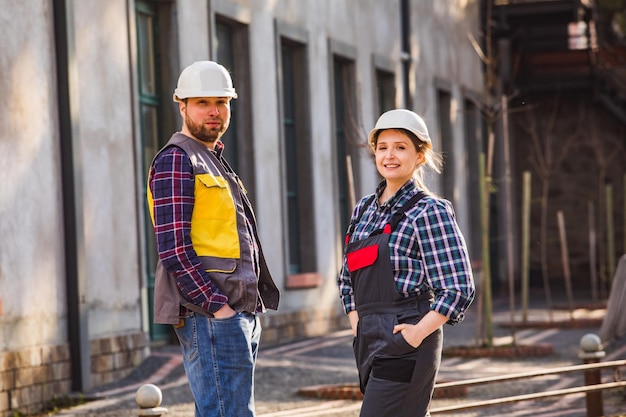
pixel 405 53
pixel 71 183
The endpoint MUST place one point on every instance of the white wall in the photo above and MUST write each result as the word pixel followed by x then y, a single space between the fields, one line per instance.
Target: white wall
pixel 31 243
pixel 32 264
pixel 193 31
pixel 108 166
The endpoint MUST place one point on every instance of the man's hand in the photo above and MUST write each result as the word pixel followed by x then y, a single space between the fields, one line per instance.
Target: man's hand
pixel 225 312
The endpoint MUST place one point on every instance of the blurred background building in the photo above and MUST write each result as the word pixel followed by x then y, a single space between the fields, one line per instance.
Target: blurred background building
pixel 87 89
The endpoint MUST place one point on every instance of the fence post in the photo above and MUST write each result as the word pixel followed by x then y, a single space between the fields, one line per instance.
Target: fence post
pixel 148 397
pixel 591 352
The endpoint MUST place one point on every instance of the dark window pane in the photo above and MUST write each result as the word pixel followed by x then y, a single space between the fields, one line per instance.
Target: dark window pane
pixel 145 38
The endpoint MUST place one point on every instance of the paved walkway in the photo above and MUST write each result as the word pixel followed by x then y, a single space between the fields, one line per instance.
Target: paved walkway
pixel 283 370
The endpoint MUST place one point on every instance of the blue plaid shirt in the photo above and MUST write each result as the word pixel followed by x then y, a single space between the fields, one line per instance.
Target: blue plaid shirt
pixel 427 251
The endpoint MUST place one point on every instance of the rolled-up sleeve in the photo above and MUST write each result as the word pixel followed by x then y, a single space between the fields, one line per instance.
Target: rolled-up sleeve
pixel 446 260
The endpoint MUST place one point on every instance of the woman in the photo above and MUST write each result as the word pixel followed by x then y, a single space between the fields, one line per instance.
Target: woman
pixel 405 273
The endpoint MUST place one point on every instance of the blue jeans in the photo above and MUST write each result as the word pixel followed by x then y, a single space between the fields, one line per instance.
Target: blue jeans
pixel 219 356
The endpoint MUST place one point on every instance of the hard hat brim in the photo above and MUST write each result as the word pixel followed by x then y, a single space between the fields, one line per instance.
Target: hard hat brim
pixel 180 95
pixel 400 119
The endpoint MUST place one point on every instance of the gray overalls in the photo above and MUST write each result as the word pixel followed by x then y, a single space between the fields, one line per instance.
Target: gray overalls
pixel 396 379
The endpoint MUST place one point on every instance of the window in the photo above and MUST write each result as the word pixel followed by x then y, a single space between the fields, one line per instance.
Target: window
pixel 154 120
pixel 232 51
pixel 348 140
pixel 148 90
pixel 385 91
pixel 444 102
pixel 297 158
pixel 473 145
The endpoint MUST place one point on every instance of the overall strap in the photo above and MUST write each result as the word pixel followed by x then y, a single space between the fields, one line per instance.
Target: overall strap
pixel 397 216
pixel 358 217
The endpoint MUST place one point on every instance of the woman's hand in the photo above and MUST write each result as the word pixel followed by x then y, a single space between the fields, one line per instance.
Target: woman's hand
pixel 353 316
pixel 411 333
pixel 414 334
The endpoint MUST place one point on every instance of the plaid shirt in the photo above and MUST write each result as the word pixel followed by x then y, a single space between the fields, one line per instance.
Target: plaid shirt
pixel 172 184
pixel 427 251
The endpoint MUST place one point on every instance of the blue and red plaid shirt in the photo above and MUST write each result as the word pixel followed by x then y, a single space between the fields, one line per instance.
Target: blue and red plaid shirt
pixel 427 250
pixel 172 184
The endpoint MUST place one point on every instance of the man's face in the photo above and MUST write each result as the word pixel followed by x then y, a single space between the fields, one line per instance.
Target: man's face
pixel 205 118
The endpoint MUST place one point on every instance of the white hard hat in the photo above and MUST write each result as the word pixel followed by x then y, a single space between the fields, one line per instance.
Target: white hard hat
pixel 400 119
pixel 204 79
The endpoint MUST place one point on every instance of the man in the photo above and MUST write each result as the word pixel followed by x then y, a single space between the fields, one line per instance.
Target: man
pixel 211 280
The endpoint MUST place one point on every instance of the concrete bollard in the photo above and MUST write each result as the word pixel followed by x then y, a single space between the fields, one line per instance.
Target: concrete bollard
pixel 591 352
pixel 148 397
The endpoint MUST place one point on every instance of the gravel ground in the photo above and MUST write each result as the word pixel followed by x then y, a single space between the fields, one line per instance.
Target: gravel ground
pixel 283 370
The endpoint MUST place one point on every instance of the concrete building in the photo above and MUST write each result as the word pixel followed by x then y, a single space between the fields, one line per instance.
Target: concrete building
pixel 87 102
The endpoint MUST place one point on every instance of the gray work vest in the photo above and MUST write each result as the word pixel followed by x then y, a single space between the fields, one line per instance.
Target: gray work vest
pixel 243 277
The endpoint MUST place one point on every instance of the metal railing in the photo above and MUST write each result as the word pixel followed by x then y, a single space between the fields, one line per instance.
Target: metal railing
pixel 535 396
pixel 591 354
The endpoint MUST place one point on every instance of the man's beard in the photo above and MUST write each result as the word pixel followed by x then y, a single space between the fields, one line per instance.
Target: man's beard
pixel 203 133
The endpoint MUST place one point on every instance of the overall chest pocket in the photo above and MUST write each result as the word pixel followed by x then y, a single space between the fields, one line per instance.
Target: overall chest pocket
pixel 362 257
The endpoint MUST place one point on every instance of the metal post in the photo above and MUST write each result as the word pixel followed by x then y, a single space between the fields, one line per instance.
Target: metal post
pixel 71 166
pixel 591 352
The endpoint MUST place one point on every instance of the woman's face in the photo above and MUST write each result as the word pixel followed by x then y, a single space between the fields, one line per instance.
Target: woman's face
pixel 396 156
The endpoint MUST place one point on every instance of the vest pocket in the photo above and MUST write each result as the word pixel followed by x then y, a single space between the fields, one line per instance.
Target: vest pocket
pixel 213 195
pixel 214 229
pixel 215 264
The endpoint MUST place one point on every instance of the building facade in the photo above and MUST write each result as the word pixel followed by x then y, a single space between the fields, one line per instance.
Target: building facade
pixel 88 101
